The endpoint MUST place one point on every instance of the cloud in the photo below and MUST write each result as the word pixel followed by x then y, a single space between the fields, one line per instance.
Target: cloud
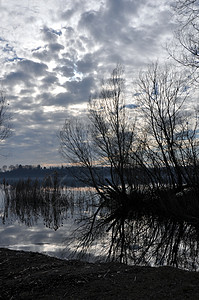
pixel 49 80
pixel 42 55
pixel 26 74
pixel 55 47
pixel 32 67
pixel 49 34
pixel 61 99
pixel 50 50
pixel 66 71
pixel 80 89
pixel 87 63
pixel 67 14
pixel 27 91
pixel 16 77
pixel 58 53
pixel 121 33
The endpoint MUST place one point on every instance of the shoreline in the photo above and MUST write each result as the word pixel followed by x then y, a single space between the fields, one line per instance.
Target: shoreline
pixel 32 275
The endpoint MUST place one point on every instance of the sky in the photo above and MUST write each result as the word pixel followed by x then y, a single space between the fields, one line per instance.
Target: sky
pixel 53 55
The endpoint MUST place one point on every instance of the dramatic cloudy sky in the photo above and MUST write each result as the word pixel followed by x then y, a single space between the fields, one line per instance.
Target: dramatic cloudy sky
pixel 53 54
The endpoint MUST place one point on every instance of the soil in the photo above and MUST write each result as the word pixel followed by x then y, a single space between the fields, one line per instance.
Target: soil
pixel 28 275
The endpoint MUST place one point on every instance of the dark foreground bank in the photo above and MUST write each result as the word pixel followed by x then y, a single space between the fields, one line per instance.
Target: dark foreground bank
pixel 28 275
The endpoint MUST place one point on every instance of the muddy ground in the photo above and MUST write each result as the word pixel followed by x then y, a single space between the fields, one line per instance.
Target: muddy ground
pixel 28 275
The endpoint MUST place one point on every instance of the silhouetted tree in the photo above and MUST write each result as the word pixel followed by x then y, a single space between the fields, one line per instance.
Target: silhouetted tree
pixel 169 133
pixel 113 150
pixel 5 126
pixel 107 140
pixel 185 49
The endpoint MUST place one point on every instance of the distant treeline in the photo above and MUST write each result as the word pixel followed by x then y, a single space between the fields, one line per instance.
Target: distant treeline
pixel 66 175
pixel 76 176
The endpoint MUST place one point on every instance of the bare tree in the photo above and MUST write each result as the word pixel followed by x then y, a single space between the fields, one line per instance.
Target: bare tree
pixel 5 126
pixel 186 50
pixel 107 140
pixel 105 145
pixel 162 96
pixel 113 150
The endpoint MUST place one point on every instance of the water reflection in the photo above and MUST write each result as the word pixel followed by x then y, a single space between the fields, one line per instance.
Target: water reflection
pixel 151 241
pixel 141 239
pixel 42 218
pixel 29 203
pixel 29 206
pixel 144 240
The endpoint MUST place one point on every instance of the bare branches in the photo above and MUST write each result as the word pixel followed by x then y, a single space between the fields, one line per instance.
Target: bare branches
pixel 75 143
pixel 109 137
pixel 5 127
pixel 161 98
pixel 137 169
pixel 112 133
pixel 186 51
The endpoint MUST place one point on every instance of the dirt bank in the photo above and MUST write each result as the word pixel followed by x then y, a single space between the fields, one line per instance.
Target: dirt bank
pixel 28 275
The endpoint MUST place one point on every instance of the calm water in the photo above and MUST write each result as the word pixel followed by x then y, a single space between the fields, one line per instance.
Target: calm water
pixel 49 227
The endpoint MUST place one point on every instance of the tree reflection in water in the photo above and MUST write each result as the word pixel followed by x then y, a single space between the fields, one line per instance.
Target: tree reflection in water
pixel 162 242
pixel 144 239
pixel 28 201
pixel 147 235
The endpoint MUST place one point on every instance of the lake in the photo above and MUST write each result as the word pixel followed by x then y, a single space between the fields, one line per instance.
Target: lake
pixel 49 226
pixel 43 228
